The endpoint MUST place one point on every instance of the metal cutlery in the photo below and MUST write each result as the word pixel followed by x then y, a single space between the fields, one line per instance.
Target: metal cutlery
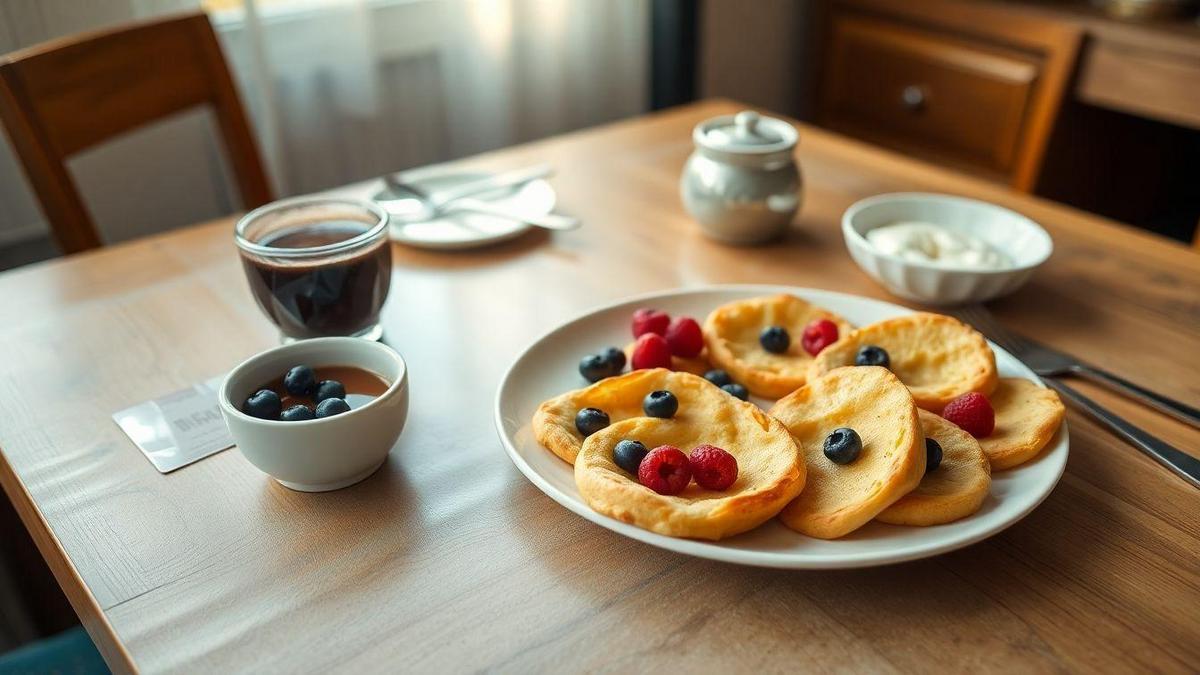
pixel 460 198
pixel 1049 363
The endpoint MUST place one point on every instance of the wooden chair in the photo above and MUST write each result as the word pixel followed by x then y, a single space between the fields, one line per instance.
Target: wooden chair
pixel 67 95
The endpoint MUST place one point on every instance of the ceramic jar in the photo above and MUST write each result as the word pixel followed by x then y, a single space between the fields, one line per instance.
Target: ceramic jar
pixel 742 183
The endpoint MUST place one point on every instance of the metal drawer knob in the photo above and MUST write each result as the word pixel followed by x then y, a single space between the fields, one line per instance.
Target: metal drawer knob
pixel 913 97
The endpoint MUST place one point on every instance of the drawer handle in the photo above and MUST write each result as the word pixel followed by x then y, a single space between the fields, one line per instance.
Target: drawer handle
pixel 913 97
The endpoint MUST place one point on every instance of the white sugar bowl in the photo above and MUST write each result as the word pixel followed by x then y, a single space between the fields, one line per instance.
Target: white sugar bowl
pixel 741 183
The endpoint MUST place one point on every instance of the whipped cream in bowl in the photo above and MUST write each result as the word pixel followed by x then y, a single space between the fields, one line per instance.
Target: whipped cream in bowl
pixel 941 249
pixel 919 241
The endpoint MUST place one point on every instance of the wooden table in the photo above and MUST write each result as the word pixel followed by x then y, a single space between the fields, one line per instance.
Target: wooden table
pixel 449 560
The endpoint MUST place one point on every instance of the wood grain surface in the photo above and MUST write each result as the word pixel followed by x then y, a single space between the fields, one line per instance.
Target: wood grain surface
pixel 449 560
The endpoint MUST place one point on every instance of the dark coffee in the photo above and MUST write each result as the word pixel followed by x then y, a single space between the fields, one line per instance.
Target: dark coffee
pixel 340 294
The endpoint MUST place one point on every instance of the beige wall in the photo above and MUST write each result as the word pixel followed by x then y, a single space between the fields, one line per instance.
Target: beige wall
pixel 756 51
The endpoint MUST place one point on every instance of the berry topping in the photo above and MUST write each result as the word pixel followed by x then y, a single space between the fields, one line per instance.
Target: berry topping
pixel 870 355
pixel 590 420
pixel 629 455
pixel 933 454
pixel 736 390
pixel 332 406
pixel 661 403
pixel 685 337
pixel 647 320
pixel 666 470
pixel 713 467
pixel 651 351
pixel 594 368
pixel 775 339
pixel 718 377
pixel 615 358
pixel 843 446
pixel 263 404
pixel 818 335
pixel 329 389
pixel 297 413
pixel 973 413
pixel 300 381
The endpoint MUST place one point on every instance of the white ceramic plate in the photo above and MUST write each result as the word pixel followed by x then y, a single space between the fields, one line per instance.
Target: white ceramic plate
pixel 548 368
pixel 461 229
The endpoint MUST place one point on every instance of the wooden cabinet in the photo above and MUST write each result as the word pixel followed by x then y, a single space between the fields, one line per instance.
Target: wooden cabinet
pixel 955 82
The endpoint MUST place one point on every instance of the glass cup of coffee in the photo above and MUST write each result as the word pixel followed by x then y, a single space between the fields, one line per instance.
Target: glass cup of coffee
pixel 318 266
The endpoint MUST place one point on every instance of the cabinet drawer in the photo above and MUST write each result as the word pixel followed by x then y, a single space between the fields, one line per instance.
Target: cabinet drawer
pixel 923 91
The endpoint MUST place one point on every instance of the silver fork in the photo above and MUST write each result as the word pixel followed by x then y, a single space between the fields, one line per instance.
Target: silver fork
pixel 1049 363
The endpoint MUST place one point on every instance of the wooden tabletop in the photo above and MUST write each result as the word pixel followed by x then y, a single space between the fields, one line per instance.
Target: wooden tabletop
pixel 449 560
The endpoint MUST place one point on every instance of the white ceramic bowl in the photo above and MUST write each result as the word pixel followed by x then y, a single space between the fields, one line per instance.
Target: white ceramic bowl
pixel 322 454
pixel 1022 241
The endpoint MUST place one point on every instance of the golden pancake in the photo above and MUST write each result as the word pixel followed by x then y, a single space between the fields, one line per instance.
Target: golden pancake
pixel 839 499
pixel 1027 415
pixel 731 333
pixel 770 470
pixel 938 357
pixel 621 398
pixel 955 489
pixel 696 365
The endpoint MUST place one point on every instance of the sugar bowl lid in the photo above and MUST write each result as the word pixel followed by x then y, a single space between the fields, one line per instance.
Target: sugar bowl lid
pixel 746 133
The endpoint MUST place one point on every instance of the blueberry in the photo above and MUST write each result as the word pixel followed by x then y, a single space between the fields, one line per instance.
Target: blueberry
pixel 300 381
pixel 736 390
pixel 629 455
pixel 590 420
pixel 332 406
pixel 843 446
pixel 263 404
pixel 297 413
pixel 933 454
pixel 661 403
pixel 329 389
pixel 870 355
pixel 615 359
pixel 718 377
pixel 594 368
pixel 775 339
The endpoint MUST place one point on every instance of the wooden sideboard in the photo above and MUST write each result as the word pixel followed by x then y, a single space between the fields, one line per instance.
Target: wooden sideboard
pixel 1016 91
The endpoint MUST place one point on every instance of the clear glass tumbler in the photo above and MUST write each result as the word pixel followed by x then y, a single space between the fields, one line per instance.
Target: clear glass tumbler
pixel 318 266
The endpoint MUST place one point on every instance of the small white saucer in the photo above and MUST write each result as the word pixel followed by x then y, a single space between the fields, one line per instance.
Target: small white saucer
pixel 460 230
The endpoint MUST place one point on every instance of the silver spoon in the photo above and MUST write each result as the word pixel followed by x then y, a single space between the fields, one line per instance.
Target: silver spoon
pixel 431 206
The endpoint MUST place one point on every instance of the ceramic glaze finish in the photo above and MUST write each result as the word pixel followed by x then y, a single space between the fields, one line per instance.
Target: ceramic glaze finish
pixel 321 454
pixel 1022 242
pixel 741 183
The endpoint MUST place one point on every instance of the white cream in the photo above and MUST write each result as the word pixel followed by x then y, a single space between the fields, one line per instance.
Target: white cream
pixel 929 243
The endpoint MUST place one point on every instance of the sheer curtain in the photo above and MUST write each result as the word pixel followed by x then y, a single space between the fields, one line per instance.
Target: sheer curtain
pixel 343 90
pixel 346 89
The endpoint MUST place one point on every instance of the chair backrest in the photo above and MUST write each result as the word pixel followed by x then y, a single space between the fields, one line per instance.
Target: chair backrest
pixel 67 95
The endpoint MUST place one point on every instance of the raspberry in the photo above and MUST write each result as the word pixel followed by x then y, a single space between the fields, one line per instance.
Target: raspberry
pixel 712 467
pixel 647 320
pixel 685 337
pixel 818 335
pixel 651 351
pixel 972 413
pixel 665 470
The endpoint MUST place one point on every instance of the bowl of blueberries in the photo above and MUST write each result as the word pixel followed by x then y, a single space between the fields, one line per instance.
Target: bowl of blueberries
pixel 319 414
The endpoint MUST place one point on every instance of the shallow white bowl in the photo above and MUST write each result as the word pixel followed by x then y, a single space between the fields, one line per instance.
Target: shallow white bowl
pixel 1022 241
pixel 323 454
